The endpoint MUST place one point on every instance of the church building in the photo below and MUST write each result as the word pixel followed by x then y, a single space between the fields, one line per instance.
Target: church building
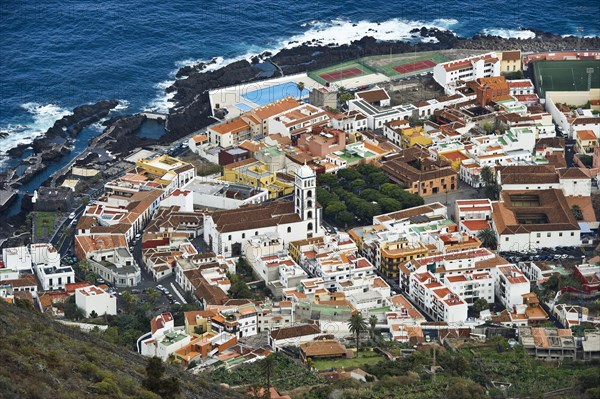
pixel 227 232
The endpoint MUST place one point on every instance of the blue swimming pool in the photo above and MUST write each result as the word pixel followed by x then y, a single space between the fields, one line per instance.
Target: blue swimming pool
pixel 263 96
pixel 243 107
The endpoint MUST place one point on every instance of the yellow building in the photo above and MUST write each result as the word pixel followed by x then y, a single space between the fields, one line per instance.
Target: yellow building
pixel 412 136
pixel 397 253
pixel 586 141
pixel 510 61
pixel 455 157
pixel 198 322
pixel 256 174
pixel 167 170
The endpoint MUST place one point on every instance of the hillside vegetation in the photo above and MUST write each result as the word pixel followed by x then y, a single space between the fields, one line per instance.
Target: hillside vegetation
pixel 42 358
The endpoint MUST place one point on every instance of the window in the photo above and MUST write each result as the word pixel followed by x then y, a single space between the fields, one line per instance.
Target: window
pixel 229 237
pixel 289 229
pixel 539 235
pixel 560 234
pixel 256 233
pixel 309 227
pixel 309 214
pixel 309 194
pixel 548 234
pixel 243 235
pixel 572 234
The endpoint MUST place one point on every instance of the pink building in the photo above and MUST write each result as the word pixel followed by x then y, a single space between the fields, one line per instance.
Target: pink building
pixel 322 142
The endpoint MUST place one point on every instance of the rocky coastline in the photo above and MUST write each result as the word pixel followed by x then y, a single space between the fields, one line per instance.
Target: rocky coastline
pixel 191 110
pixel 56 141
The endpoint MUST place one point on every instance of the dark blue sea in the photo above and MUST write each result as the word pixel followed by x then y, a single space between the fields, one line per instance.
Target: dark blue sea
pixel 55 55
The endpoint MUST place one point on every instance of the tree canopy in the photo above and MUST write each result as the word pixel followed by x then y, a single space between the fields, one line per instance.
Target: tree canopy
pixel 355 195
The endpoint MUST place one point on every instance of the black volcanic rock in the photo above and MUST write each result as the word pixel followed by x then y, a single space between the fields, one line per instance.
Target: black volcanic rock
pixel 192 108
pixel 120 134
pixel 70 125
pixel 17 152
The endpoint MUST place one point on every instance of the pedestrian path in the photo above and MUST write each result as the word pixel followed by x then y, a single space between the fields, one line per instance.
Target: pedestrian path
pixel 183 301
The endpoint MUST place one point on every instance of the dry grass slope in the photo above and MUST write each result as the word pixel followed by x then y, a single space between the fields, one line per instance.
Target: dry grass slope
pixel 44 359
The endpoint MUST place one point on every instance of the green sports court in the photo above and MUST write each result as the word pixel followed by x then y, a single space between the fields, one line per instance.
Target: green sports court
pixel 340 72
pixel 565 75
pixel 405 64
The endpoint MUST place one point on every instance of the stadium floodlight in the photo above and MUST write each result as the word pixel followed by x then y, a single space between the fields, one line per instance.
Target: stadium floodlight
pixel 589 72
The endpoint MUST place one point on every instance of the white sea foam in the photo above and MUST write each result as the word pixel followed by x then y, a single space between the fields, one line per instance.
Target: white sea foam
pixel 317 33
pixel 163 100
pixel 342 31
pixel 123 104
pixel 42 117
pixel 510 33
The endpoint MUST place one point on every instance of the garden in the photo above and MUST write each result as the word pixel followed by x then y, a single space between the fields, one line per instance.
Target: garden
pixel 354 195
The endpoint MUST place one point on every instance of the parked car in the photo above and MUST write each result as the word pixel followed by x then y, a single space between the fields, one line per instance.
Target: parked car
pixel 72 215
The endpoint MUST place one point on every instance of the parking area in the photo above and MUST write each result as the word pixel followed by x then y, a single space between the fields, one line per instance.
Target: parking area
pixel 545 254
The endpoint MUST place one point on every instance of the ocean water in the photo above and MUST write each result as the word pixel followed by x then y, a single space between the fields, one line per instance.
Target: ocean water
pixel 56 55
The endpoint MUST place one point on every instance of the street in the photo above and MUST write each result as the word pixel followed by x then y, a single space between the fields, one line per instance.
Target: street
pixel 464 192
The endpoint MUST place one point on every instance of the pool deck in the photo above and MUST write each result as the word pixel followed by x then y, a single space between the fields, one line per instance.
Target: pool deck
pixel 229 97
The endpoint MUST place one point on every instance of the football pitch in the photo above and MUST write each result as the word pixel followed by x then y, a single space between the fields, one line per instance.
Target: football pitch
pixel 565 75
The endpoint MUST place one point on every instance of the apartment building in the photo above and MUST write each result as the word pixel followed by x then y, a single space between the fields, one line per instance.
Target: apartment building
pixel 450 74
pixel 435 299
pixel 510 285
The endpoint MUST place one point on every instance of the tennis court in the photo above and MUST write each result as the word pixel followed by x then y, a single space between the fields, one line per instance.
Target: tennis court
pixel 340 75
pixel 415 66
pixel 334 73
pixel 402 65
pixel 565 75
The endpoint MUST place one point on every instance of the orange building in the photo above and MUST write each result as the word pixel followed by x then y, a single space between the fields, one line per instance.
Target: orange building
pixel 491 89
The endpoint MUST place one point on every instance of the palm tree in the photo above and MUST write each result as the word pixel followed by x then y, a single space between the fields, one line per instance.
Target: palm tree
pixel 576 209
pixel 487 175
pixel 300 87
pixel 356 325
pixel 488 238
pixel 373 323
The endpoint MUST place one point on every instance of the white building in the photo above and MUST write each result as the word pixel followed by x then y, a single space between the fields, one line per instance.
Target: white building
pixel 293 336
pixel 375 96
pixel 241 321
pixel 450 74
pixel 350 121
pixel 17 258
pixel 45 254
pixel 228 232
pixel 164 338
pixel 520 87
pixel 54 277
pixel 435 299
pixel 365 293
pixel 94 299
pixel 510 285
pixel 472 286
pixel 471 215
pixel 377 117
pixel 297 120
pixel 527 219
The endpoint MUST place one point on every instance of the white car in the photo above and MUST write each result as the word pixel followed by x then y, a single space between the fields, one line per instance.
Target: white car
pixel 72 215
pixel 160 287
